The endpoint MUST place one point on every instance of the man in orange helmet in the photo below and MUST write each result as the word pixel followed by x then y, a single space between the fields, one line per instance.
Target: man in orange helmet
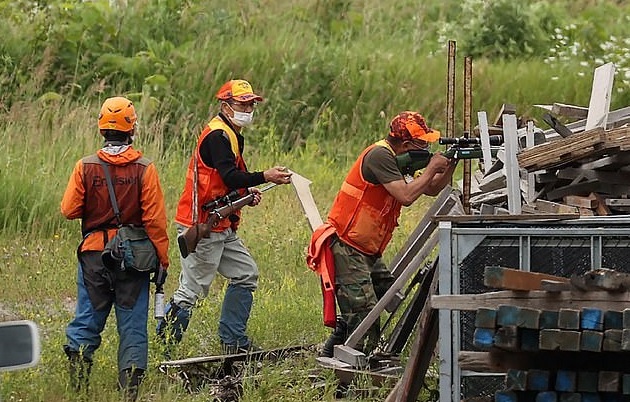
pixel 362 219
pixel 140 202
pixel 217 168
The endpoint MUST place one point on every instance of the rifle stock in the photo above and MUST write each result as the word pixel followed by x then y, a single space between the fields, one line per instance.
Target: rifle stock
pixel 190 237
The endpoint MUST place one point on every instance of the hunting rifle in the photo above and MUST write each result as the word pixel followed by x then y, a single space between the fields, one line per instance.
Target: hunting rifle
pixel 461 148
pixel 220 208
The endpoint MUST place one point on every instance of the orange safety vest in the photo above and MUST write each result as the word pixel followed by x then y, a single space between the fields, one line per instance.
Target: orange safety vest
pixel 364 214
pixel 210 185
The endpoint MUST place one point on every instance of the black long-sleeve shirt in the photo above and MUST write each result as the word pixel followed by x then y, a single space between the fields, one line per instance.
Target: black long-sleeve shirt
pixel 216 152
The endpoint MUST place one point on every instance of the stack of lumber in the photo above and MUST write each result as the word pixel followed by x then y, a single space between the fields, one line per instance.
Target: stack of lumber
pixel 555 338
pixel 584 173
pixel 578 166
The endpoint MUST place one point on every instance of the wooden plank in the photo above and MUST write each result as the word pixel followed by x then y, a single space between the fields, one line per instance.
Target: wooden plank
pixel 612 340
pixel 580 201
pixel 486 318
pixel 587 381
pixel 351 356
pixel 570 340
pixel 301 186
pixel 547 396
pixel 513 279
pixel 609 381
pixel 483 338
pixel 566 381
pixel 625 386
pixel 507 315
pixel 554 207
pixel 592 318
pixel 549 339
pixel 601 209
pixel 516 380
pixel 482 119
pixel 507 218
pixel 613 320
pixel 529 339
pixel 538 380
pixel 569 318
pixel 625 340
pixel 599 104
pixel 548 319
pixel 507 338
pixel 506 108
pixel 259 355
pixel 499 361
pixel 534 299
pixel 591 341
pixel 571 111
pixel 510 137
pixel 331 362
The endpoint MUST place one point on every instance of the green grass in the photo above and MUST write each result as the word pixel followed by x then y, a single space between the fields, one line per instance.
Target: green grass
pixel 333 73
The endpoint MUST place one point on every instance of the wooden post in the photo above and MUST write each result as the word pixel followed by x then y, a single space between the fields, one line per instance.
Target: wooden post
pixel 450 92
pixel 467 116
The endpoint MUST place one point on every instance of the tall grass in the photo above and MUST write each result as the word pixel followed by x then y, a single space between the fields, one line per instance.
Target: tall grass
pixel 333 73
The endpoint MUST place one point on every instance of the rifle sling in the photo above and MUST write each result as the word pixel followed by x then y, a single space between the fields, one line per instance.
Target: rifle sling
pixel 110 190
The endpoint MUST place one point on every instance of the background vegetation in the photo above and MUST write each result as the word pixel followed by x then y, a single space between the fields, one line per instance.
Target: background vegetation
pixel 333 73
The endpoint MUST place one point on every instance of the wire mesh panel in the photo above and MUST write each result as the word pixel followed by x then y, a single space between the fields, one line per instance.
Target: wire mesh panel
pixel 556 249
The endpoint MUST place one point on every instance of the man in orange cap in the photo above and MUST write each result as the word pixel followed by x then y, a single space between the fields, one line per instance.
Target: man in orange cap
pixel 363 217
pixel 217 168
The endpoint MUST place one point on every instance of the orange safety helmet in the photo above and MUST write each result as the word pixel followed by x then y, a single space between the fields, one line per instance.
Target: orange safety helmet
pixel 117 113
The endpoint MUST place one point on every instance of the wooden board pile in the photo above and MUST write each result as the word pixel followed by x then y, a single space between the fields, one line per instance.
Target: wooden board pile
pixel 555 338
pixel 577 168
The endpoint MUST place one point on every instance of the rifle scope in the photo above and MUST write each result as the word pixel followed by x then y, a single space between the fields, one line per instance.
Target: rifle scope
pixel 224 200
pixel 468 141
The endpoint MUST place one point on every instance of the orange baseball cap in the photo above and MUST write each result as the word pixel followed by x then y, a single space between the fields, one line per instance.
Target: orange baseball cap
pixel 239 90
pixel 411 125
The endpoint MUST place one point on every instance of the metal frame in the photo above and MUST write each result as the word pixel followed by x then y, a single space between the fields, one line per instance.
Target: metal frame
pixel 458 240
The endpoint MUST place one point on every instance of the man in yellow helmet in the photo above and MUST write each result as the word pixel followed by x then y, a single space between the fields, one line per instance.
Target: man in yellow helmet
pixel 140 201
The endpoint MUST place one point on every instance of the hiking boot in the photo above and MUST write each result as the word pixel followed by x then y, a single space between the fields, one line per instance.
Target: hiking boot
pixel 338 337
pixel 79 368
pixel 129 381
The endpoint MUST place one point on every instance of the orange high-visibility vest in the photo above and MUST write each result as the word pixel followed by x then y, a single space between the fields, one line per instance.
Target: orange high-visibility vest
pixel 210 185
pixel 364 214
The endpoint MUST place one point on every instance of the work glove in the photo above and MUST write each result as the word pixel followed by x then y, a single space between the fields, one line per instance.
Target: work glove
pixel 159 277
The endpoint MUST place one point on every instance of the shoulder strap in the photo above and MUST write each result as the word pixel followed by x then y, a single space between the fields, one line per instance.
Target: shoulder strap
pixel 110 189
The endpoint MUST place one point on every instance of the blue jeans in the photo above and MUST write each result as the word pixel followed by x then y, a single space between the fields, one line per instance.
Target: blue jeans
pixel 130 297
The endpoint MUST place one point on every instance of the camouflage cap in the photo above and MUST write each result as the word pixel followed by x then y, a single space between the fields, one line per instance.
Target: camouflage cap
pixel 411 125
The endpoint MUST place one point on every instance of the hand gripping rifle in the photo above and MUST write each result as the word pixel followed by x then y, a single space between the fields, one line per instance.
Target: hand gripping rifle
pixel 460 148
pixel 220 208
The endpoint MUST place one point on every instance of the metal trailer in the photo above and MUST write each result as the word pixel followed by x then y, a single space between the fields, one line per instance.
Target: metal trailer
pixel 561 247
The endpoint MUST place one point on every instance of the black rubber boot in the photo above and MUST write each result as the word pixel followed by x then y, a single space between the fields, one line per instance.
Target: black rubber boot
pixel 79 369
pixel 338 337
pixel 129 381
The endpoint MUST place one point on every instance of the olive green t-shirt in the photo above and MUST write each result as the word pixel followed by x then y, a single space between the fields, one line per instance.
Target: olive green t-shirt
pixel 379 166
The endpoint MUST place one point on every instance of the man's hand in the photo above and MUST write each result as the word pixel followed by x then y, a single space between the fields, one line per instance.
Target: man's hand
pixel 438 163
pixel 257 196
pixel 278 175
pixel 159 277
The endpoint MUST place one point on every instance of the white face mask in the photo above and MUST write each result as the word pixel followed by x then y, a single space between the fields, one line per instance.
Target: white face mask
pixel 242 119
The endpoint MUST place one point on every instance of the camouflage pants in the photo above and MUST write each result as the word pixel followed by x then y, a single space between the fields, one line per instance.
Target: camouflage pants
pixel 360 281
